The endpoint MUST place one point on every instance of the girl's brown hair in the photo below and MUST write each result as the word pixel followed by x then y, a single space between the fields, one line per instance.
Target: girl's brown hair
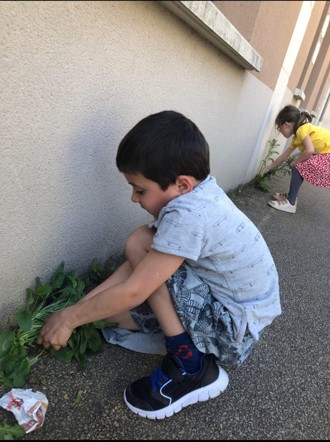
pixel 292 114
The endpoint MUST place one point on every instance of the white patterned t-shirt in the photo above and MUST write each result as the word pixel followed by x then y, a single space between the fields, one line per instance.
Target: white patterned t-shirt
pixel 226 250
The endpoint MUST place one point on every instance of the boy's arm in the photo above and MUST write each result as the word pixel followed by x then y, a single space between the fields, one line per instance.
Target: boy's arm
pixel 155 269
pixel 121 273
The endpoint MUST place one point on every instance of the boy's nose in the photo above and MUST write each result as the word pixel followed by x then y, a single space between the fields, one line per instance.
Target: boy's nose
pixel 134 198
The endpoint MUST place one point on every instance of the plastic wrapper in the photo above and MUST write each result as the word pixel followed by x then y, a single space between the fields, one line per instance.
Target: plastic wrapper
pixel 28 407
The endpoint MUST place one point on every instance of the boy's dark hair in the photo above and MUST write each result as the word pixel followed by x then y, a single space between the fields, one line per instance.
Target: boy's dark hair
pixel 163 146
pixel 292 114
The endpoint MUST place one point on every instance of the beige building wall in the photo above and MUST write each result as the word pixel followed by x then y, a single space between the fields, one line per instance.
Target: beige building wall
pixel 74 78
pixel 268 26
pixel 269 30
pixel 309 75
pixel 303 65
pixel 319 77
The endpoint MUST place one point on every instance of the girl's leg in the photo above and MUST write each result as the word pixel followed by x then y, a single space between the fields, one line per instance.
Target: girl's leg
pixel 295 183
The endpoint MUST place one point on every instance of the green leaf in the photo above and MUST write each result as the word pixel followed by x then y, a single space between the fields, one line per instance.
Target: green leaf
pixel 72 341
pixel 76 340
pixel 58 278
pixel 38 282
pixel 261 184
pixel 11 432
pixel 7 338
pixel 10 363
pixel 104 324
pixel 67 292
pixel 24 320
pixel 95 342
pixel 80 288
pixel 73 280
pixel 87 331
pixel 82 345
pixel 96 269
pixel 64 354
pixel 20 379
pixel 31 296
pixel 44 290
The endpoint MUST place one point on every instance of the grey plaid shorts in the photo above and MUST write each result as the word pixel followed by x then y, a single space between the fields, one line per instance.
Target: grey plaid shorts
pixel 207 321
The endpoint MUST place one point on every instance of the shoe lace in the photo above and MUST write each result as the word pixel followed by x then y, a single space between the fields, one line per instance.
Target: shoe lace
pixel 158 378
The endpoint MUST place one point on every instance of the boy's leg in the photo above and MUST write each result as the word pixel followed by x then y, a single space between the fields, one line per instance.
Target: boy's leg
pixel 136 248
pixel 187 375
pixel 160 302
pixel 177 341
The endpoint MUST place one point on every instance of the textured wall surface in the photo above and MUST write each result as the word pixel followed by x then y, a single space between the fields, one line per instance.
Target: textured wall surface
pixel 74 78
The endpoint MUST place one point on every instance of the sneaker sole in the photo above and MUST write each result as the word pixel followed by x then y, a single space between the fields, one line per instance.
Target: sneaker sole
pixel 202 394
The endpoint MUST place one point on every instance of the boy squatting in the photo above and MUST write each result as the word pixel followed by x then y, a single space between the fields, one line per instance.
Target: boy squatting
pixel 200 273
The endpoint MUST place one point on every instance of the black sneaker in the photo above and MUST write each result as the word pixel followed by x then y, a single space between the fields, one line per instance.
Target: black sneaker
pixel 169 389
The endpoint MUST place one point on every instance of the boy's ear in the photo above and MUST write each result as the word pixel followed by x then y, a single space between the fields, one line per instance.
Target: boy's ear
pixel 185 184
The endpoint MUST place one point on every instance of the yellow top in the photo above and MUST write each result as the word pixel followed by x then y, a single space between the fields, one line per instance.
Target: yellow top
pixel 320 137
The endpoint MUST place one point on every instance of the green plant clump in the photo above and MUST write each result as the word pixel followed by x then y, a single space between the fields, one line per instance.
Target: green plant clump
pixel 18 343
pixel 261 179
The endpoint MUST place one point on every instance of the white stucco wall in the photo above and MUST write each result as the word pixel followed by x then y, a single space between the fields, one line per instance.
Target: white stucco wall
pixel 74 78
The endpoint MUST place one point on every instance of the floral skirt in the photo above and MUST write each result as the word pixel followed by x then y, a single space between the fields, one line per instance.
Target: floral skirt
pixel 316 170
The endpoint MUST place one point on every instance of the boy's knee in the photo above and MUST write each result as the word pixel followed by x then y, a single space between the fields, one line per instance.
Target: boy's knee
pixel 139 240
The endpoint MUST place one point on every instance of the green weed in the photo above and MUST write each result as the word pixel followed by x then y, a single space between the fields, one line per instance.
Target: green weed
pixel 18 343
pixel 261 180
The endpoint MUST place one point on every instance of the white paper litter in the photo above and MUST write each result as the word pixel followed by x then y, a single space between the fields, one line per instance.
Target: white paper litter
pixel 28 407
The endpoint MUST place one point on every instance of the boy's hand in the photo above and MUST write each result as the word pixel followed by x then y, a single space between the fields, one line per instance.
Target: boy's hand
pixel 56 332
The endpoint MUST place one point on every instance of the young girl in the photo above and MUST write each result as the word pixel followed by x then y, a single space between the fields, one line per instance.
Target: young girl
pixel 313 163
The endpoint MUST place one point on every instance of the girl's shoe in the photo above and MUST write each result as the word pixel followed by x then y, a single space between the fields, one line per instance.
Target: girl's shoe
pixel 283 205
pixel 280 195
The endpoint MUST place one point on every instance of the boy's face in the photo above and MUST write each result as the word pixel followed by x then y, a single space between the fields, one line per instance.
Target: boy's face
pixel 149 194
